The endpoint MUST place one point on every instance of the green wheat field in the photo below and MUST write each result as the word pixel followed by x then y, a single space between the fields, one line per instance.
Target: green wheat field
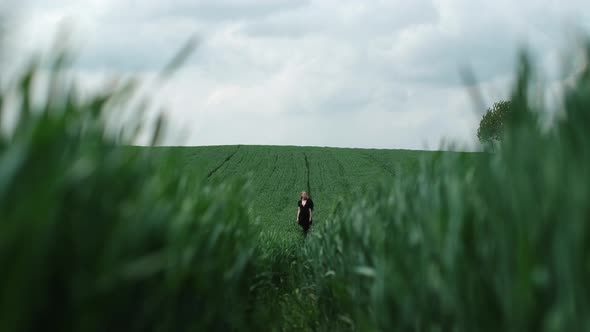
pixel 277 174
pixel 99 235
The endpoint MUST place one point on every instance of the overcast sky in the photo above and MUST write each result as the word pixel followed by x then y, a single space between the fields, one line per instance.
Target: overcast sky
pixel 349 73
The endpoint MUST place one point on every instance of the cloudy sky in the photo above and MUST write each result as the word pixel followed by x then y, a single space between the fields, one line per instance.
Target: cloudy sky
pixel 348 73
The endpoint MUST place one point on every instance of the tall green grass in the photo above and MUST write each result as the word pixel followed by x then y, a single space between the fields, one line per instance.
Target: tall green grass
pixel 98 236
pixel 95 236
pixel 502 244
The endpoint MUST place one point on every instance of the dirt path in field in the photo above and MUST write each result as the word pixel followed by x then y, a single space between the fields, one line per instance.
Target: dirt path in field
pixel 223 162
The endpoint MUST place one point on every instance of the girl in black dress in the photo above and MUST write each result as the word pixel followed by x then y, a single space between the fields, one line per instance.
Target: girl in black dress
pixel 304 212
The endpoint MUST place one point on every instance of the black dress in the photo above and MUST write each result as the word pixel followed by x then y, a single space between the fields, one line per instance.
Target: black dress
pixel 304 212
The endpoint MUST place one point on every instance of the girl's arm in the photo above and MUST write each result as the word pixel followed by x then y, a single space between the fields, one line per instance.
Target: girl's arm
pixel 298 210
pixel 310 213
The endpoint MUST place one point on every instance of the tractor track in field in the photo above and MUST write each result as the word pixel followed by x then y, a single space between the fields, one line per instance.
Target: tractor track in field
pixel 274 166
pixel 257 167
pixel 238 163
pixel 307 172
pixel 223 162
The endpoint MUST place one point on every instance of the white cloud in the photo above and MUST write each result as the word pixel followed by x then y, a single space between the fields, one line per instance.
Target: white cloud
pixel 333 72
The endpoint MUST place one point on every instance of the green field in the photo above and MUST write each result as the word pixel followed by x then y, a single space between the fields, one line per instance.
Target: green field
pixel 336 178
pixel 98 235
pixel 277 175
